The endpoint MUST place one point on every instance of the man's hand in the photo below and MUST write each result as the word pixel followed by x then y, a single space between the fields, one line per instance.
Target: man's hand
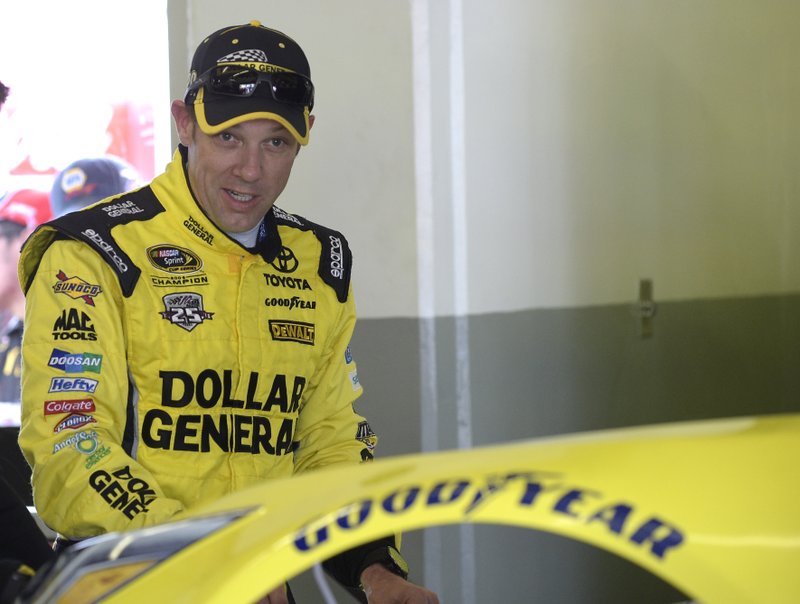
pixel 276 596
pixel 384 587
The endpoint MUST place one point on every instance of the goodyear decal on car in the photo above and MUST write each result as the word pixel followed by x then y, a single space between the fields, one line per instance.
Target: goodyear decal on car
pixel 530 492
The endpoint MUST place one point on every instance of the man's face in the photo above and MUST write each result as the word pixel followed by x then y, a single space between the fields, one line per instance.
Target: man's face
pixel 238 174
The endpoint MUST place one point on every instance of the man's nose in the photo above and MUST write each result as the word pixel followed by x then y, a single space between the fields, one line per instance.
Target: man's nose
pixel 248 166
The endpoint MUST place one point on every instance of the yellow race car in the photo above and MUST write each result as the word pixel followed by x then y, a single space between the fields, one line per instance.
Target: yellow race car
pixel 707 506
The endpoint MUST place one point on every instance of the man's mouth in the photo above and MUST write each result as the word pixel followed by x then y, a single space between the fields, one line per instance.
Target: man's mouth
pixel 238 196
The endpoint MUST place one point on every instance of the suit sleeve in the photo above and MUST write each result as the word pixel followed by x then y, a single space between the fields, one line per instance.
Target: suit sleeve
pixel 77 402
pixel 329 431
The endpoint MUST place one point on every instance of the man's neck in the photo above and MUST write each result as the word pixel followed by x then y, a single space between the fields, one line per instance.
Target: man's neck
pixel 247 238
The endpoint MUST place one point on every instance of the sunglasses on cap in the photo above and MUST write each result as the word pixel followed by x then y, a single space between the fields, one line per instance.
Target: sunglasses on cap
pixel 285 86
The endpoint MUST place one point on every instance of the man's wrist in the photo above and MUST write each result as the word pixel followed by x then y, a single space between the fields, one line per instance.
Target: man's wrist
pixel 381 561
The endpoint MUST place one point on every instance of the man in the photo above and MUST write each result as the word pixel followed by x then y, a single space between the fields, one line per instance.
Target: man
pixel 190 338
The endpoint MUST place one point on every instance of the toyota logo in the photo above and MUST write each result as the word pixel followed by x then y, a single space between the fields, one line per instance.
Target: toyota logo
pixel 286 261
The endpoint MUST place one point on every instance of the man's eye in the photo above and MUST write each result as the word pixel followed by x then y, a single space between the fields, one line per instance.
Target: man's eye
pixel 225 136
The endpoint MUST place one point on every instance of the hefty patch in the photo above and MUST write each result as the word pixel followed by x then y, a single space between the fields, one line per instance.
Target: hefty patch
pixel 59 384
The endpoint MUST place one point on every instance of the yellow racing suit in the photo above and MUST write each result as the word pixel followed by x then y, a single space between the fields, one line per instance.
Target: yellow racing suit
pixel 165 365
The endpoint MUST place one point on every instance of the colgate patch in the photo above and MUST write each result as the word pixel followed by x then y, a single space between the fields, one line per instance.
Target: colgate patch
pixel 84 405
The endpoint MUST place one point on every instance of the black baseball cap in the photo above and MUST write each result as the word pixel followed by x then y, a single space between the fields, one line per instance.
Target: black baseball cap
pixel 248 72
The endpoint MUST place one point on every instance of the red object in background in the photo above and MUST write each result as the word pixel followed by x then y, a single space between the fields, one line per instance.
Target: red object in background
pixel 131 132
pixel 25 168
pixel 27 207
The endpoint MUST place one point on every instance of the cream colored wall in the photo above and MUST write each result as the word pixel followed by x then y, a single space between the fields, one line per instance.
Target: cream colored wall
pixel 357 173
pixel 596 143
pixel 639 139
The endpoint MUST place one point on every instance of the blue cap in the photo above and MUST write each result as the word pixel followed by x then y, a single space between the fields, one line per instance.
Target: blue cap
pixel 86 181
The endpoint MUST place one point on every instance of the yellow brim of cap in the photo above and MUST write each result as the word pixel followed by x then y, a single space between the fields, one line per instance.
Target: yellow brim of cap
pixel 211 129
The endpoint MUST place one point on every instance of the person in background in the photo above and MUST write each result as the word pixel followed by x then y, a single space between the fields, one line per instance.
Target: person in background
pixel 89 180
pixel 23 547
pixel 80 184
pixel 3 96
pixel 20 212
pixel 205 331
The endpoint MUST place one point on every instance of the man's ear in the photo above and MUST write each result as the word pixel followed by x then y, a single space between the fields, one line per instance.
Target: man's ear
pixel 184 122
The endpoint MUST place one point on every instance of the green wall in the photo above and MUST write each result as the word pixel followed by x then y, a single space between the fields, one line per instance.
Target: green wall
pixel 547 372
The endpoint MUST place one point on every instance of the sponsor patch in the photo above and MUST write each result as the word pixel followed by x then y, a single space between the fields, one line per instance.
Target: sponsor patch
pixel 354 381
pixel 179 280
pixel 74 421
pixel 76 438
pixel 112 251
pixel 292 331
pixel 76 288
pixel 287 282
pixel 285 261
pixel 87 446
pixel 198 230
pixel 286 216
pixel 62 384
pixel 290 303
pixel 337 260
pixel 74 325
pixel 348 356
pixel 83 405
pixel 123 491
pixel 174 259
pixel 96 456
pixel 365 435
pixel 185 310
pixel 121 208
pixel 75 363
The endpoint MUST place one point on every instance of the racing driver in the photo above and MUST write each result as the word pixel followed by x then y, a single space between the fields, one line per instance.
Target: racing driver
pixel 189 338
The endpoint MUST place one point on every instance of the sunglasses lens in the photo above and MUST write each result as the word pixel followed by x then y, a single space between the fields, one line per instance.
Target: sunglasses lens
pixel 291 88
pixel 287 87
pixel 234 83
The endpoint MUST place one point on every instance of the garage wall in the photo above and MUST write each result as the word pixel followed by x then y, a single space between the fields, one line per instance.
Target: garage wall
pixel 566 216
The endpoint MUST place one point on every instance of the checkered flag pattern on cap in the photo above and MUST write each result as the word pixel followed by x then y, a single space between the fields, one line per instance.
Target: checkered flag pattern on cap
pixel 251 55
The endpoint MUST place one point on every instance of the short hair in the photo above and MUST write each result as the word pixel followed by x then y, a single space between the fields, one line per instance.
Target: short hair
pixel 3 93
